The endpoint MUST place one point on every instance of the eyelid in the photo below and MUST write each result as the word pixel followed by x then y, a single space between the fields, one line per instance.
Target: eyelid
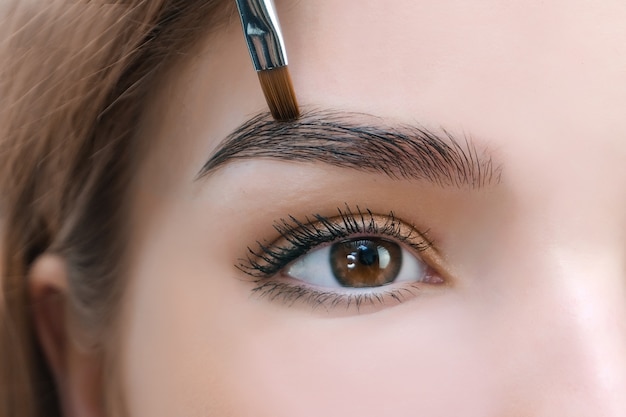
pixel 297 238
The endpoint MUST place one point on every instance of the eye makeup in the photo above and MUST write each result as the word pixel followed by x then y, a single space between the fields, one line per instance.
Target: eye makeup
pixel 385 259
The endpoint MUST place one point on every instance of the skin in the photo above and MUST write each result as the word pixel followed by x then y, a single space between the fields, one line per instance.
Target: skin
pixel 531 321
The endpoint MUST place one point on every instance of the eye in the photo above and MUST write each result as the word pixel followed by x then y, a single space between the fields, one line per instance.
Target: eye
pixel 361 262
pixel 354 259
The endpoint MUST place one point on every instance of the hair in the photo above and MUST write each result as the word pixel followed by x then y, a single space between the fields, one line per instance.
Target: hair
pixel 74 77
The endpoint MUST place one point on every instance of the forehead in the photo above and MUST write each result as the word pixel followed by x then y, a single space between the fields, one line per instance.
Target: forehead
pixel 523 75
pixel 515 64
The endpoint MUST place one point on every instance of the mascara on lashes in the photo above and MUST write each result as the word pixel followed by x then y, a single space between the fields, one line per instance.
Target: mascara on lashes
pixel 296 238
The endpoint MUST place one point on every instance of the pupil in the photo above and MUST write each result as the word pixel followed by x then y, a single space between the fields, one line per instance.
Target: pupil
pixel 365 262
pixel 367 255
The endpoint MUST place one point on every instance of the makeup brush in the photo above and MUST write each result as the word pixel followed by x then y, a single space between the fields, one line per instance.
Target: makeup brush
pixel 267 49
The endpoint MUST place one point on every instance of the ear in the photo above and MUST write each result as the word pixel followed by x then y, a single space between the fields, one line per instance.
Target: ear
pixel 76 370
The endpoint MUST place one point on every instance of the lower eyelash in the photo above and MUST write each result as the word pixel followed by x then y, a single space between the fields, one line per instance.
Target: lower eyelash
pixel 291 294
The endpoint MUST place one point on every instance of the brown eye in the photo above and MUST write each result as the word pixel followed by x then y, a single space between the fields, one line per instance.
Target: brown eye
pixel 369 262
pixel 361 262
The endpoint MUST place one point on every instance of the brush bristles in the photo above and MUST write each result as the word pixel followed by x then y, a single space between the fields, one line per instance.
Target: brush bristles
pixel 279 93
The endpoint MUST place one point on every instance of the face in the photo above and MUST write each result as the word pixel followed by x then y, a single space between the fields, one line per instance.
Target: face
pixel 453 244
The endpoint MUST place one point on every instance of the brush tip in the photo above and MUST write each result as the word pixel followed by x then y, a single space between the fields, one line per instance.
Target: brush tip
pixel 279 93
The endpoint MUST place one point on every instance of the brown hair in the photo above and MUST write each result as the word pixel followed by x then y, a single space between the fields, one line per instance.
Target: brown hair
pixel 73 79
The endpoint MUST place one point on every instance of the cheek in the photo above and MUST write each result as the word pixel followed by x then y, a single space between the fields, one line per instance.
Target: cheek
pixel 383 364
pixel 196 343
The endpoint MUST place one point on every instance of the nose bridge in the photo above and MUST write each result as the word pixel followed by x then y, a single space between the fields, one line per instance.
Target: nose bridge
pixel 576 358
pixel 590 310
pixel 580 228
pixel 588 345
pixel 568 355
pixel 563 325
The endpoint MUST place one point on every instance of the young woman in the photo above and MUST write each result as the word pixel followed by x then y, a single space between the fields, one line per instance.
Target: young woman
pixel 442 233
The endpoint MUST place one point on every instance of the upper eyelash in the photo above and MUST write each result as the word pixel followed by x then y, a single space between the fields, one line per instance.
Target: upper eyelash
pixel 267 259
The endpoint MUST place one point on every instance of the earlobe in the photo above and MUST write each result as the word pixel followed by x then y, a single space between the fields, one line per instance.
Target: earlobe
pixel 48 289
pixel 76 371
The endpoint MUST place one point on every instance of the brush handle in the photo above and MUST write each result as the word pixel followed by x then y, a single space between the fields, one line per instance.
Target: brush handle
pixel 262 31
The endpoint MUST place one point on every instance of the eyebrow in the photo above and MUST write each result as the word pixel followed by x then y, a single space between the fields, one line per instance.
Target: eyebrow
pixel 354 141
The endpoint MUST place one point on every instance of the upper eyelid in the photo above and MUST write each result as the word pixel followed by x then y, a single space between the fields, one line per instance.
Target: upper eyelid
pixel 353 226
pixel 269 257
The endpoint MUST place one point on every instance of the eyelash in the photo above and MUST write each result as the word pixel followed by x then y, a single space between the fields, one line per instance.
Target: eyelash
pixel 297 238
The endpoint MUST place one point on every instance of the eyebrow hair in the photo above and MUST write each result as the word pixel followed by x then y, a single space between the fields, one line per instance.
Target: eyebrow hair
pixel 350 140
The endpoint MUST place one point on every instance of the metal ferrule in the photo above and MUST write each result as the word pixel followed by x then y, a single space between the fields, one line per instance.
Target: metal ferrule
pixel 262 32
